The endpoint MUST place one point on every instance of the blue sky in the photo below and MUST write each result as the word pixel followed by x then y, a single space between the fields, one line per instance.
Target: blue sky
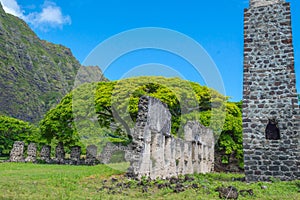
pixel 216 25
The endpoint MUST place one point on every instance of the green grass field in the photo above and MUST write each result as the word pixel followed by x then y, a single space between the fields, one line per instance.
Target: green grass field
pixel 33 181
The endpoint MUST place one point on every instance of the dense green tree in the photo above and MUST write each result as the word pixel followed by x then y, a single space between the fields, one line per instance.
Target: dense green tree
pixel 11 130
pixel 231 138
pixel 59 123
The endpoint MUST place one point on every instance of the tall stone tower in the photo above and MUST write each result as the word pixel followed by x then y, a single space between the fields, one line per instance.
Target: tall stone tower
pixel 271 121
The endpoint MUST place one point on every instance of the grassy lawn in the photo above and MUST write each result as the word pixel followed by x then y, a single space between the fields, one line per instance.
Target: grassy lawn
pixel 33 181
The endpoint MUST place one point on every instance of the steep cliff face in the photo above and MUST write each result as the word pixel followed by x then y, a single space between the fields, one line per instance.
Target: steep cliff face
pixel 34 74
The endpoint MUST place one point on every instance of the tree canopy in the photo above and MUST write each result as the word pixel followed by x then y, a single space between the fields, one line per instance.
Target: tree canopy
pixel 11 130
pixel 117 102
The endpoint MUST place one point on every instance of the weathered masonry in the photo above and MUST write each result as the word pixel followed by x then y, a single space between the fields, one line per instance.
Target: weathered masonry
pixel 17 154
pixel 157 154
pixel 271 122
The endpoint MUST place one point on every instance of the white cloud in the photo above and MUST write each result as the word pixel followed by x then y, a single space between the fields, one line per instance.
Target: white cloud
pixel 12 7
pixel 50 16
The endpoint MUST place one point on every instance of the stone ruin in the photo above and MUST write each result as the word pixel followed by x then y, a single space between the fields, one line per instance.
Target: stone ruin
pixel 16 154
pixel 154 152
pixel 91 154
pixel 271 117
pixel 60 153
pixel 75 154
pixel 110 149
pixel 31 153
pixel 46 153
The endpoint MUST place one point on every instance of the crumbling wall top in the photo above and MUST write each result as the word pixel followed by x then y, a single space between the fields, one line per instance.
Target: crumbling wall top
pixel 258 3
pixel 154 114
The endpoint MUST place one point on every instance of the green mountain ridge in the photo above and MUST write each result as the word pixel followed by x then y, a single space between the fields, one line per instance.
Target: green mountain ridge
pixel 35 74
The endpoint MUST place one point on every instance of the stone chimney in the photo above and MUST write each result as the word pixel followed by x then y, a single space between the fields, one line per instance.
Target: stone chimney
pixel 271 115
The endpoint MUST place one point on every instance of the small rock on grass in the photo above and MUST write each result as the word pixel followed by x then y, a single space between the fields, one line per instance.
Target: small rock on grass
pixel 228 193
pixel 264 187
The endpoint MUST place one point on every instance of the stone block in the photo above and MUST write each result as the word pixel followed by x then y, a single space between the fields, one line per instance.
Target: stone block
pixel 91 155
pixel 75 154
pixel 60 153
pixel 31 153
pixel 46 153
pixel 17 152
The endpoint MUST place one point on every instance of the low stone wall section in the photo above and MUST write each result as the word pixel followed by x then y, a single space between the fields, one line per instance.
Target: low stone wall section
pixel 17 154
pixel 111 148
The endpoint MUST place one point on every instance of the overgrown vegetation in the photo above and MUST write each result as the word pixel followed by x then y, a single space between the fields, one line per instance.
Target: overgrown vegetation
pixel 11 130
pixel 106 111
pixel 32 181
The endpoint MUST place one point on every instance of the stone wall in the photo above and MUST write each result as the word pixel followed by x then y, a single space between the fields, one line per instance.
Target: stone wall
pixel 17 154
pixel 155 153
pixel 111 148
pixel 270 105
